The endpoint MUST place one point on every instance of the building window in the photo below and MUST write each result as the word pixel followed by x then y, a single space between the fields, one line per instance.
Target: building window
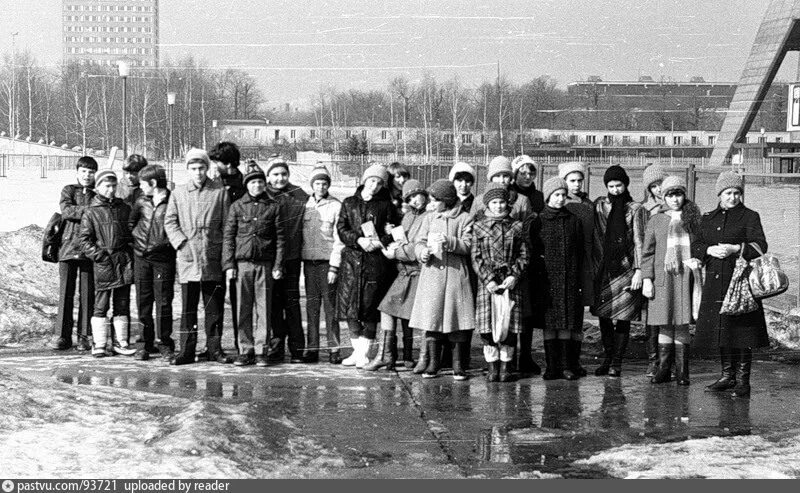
pixel 328 134
pixel 292 134
pixel 608 140
pixel 626 140
pixel 347 134
pixel 466 138
pixel 694 140
pixel 661 140
pixel 677 140
pixel 241 134
pixel 363 134
pixel 313 134
pixel 256 133
pixel 399 135
pixel 277 134
pixel 778 140
pixel 762 140
pixel 384 134
pixel 591 139
pixel 448 138
pixel 573 139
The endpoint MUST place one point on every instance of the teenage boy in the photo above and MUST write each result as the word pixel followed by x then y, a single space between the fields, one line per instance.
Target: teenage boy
pixel 73 266
pixel 194 223
pixel 286 293
pixel 154 263
pixel 128 187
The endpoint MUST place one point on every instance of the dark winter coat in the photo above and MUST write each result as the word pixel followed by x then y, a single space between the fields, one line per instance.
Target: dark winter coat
pixel 583 209
pixel 75 199
pixel 364 277
pixel 106 240
pixel 233 183
pixel 150 239
pixel 292 200
pixel 254 232
pixel 499 250
pixel 466 204
pixel 399 300
pixel 533 287
pixel 561 234
pixel 536 197
pixel 736 226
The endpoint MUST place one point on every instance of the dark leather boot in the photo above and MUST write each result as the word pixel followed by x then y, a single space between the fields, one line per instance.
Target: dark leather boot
pixel 408 348
pixel 565 362
pixel 620 345
pixel 434 357
pixel 652 350
pixel 552 350
pixel 743 366
pixel 525 361
pixel 575 358
pixel 727 381
pixel 445 357
pixel 505 372
pixel 459 368
pixel 664 372
pixel 493 373
pixel 422 362
pixel 607 338
pixel 387 352
pixel 682 364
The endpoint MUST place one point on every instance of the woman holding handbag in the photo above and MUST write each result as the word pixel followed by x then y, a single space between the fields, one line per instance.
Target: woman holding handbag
pixel 723 233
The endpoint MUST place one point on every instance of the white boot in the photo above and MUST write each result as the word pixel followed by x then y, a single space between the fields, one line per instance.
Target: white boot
pixel 351 360
pixel 99 336
pixel 366 346
pixel 121 324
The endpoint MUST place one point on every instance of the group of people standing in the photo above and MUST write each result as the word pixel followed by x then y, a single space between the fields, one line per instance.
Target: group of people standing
pixel 437 260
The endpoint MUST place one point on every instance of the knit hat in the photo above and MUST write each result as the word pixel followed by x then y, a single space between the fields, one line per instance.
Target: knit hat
pixel 445 191
pixel 105 174
pixel 564 169
pixel 253 171
pixel 551 185
pixel 520 161
pixel 616 173
pixel 652 174
pixel 729 179
pixel 673 182
pixel 461 167
pixel 320 173
pixel 377 171
pixel 500 164
pixel 195 154
pixel 411 188
pixel 494 191
pixel 276 162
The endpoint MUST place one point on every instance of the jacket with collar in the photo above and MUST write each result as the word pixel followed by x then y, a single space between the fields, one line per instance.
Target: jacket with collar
pixel 150 239
pixel 320 236
pixel 292 200
pixel 74 201
pixel 254 232
pixel 106 240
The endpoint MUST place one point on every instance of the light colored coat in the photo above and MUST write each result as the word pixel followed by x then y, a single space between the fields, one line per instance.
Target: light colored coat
pixel 444 300
pixel 194 223
pixel 320 236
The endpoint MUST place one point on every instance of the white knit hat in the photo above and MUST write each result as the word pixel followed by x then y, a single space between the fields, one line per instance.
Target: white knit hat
pixel 500 164
pixel 520 161
pixel 565 169
pixel 461 167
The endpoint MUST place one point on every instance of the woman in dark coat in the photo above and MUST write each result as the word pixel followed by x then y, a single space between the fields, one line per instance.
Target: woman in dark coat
pixel 723 231
pixel 365 274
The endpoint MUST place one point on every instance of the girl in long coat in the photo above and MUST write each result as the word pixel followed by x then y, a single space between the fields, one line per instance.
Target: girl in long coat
pixel 561 237
pixel 399 300
pixel 723 231
pixel 444 306
pixel 667 281
pixel 499 257
pixel 619 234
pixel 365 274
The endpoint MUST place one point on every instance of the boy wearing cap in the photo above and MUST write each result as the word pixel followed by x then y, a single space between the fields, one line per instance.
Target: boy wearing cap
pixel 286 317
pixel 252 257
pixel 194 222
pixel 128 187
pixel 321 249
pixel 154 263
pixel 106 239
pixel 73 266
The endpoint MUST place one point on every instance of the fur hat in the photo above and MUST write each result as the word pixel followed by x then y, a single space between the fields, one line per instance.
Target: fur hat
pixel 461 167
pixel 494 191
pixel 520 161
pixel 377 171
pixel 673 182
pixel 320 173
pixel 445 191
pixel 564 169
pixel 195 154
pixel 254 171
pixel 105 174
pixel 551 185
pixel 729 179
pixel 652 174
pixel 616 173
pixel 500 164
pixel 277 162
pixel 411 188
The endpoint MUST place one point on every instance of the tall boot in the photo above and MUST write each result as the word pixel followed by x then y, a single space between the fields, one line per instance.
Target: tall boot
pixel 565 356
pixel 575 358
pixel 607 338
pixel 367 346
pixel 459 365
pixel 552 350
pixel 728 358
pixel 121 329
pixel 387 352
pixel 526 364
pixel 422 362
pixel 434 355
pixel 743 366
pixel 620 345
pixel 99 336
pixel 652 349
pixel 408 347
pixel 682 364
pixel 664 372
pixel 506 357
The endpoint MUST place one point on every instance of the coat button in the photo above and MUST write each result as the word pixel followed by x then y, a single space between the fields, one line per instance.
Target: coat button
pixel 719 228
pixel 716 276
pixel 441 267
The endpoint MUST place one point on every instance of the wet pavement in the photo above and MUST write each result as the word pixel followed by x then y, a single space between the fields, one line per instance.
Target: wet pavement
pixel 388 424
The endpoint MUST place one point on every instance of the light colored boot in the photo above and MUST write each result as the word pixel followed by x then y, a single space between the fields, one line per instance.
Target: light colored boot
pixel 99 336
pixel 366 346
pixel 354 357
pixel 121 346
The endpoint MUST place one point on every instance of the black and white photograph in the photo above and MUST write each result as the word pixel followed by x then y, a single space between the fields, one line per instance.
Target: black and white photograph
pixel 340 239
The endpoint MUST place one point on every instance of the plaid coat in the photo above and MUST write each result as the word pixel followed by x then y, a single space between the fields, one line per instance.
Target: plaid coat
pixel 499 250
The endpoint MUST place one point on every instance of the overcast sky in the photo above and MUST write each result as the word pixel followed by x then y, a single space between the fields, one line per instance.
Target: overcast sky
pixel 294 47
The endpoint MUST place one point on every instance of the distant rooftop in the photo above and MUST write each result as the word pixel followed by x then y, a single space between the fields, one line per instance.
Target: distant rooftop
pixel 648 80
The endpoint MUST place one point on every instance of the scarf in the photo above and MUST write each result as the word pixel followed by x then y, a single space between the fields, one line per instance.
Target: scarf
pixel 615 243
pixel 677 244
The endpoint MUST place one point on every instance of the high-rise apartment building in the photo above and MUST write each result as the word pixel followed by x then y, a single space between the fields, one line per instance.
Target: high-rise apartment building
pixel 101 32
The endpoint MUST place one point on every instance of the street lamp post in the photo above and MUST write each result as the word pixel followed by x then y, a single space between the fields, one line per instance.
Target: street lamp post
pixel 124 72
pixel 763 150
pixel 170 104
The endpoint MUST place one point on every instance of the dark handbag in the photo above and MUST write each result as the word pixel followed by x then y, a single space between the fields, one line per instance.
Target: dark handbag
pixel 766 278
pixel 739 300
pixel 51 241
